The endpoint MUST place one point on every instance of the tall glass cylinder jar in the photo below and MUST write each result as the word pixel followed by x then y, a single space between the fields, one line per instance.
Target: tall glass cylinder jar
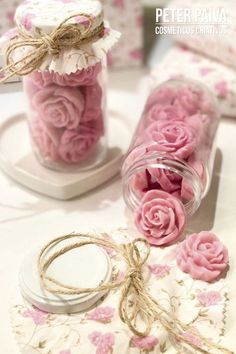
pixel 66 90
pixel 173 148
pixel 67 117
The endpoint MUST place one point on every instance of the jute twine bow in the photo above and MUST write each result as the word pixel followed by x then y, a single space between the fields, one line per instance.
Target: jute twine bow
pixel 133 287
pixel 65 36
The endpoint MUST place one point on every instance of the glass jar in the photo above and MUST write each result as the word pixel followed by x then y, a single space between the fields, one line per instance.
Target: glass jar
pixel 60 48
pixel 67 117
pixel 173 148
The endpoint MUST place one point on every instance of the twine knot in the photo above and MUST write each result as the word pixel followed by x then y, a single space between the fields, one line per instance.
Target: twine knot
pixel 50 44
pixel 65 36
pixel 135 302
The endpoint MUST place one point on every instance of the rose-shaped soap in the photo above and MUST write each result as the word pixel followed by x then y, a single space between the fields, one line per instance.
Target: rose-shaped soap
pixel 160 217
pixel 176 138
pixel 82 77
pixel 45 138
pixel 159 112
pixel 202 256
pixel 189 99
pixel 76 145
pixel 93 102
pixel 62 107
pixel 163 96
pixel 79 78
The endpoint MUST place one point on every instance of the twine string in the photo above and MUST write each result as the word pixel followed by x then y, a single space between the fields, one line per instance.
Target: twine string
pixel 65 36
pixel 133 288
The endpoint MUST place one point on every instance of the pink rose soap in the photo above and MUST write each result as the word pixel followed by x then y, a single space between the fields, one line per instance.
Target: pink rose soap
pixel 70 106
pixel 202 256
pixel 160 218
pixel 170 155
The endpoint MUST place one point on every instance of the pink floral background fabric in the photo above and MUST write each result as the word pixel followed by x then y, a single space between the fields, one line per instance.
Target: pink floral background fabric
pixel 126 17
pixel 100 330
pixel 181 62
pixel 220 47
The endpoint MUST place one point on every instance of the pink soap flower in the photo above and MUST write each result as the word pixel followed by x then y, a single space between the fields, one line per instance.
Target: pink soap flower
pixel 160 217
pixel 93 102
pixel 162 95
pixel 101 314
pixel 45 138
pixel 76 145
pixel 80 78
pixel 41 78
pixel 39 317
pixel 145 343
pixel 202 256
pixel 186 189
pixel 160 112
pixel 173 138
pixel 189 99
pixel 163 179
pixel 59 106
pixel 103 342
pixel 209 298
pixel 160 270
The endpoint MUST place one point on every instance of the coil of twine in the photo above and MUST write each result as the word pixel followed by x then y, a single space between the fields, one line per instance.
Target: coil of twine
pixel 65 36
pixel 145 308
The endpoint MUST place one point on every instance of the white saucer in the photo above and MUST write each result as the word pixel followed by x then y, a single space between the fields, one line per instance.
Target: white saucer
pixel 18 161
pixel 74 268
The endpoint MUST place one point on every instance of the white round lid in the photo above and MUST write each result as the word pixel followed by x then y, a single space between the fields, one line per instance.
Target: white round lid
pixel 44 15
pixel 85 267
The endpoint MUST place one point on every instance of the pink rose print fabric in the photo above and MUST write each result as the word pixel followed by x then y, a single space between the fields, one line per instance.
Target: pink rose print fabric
pixel 220 47
pixel 146 343
pixel 204 257
pixel 192 339
pixel 209 298
pixel 219 78
pixel 103 342
pixel 100 330
pixel 66 114
pixel 159 270
pixel 101 314
pixel 160 218
pixel 125 16
pixel 37 316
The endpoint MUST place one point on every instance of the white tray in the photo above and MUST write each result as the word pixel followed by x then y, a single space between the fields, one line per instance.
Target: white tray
pixel 18 161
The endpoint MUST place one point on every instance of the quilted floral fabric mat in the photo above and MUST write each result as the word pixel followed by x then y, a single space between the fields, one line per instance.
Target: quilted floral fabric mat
pixel 100 329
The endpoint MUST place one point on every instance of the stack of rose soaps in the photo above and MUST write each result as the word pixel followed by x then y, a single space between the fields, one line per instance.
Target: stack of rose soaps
pixel 69 119
pixel 208 58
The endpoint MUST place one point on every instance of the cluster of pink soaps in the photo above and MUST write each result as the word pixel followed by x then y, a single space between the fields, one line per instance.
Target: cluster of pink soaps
pixel 65 113
pixel 179 121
